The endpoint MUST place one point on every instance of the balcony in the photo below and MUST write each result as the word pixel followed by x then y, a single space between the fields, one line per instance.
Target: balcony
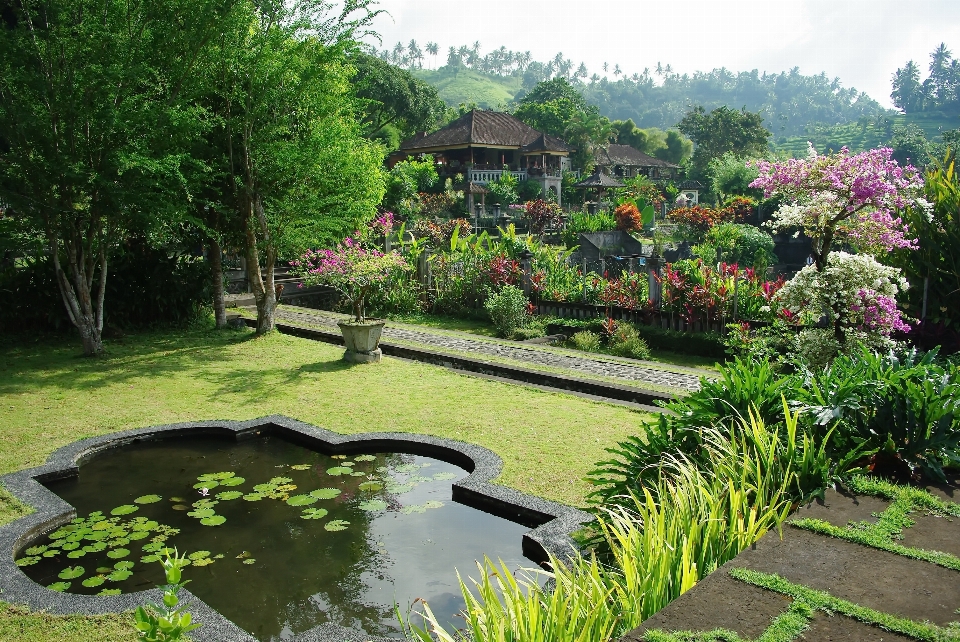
pixel 484 176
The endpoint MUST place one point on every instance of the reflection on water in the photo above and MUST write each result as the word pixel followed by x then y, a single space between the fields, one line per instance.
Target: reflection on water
pixel 305 538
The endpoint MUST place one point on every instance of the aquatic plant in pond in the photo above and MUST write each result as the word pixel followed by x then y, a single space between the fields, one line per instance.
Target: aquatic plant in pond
pixel 324 547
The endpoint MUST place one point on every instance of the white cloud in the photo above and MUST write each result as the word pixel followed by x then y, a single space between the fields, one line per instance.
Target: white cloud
pixel 860 41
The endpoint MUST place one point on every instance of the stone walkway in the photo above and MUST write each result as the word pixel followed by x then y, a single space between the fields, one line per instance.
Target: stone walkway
pixel 687 380
pixel 885 582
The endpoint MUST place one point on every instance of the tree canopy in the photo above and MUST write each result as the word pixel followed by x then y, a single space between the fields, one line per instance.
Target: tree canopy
pixel 723 130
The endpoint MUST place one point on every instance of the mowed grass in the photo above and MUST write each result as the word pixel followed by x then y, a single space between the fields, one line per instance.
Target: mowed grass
pixel 50 396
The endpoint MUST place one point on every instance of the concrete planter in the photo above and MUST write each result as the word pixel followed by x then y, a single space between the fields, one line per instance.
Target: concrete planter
pixel 362 341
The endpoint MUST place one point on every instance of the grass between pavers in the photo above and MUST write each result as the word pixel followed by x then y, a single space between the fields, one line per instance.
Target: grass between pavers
pixel 796 619
pixel 890 523
pixel 52 397
pixel 18 624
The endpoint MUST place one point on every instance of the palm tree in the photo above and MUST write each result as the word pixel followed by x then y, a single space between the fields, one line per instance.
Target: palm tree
pixel 415 54
pixel 433 49
pixel 616 70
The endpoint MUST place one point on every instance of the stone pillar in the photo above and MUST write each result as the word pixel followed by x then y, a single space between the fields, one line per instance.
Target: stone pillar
pixel 653 284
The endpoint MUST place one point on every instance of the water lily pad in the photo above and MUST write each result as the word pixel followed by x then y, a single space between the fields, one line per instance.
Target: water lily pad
pixel 216 520
pixel 232 481
pixel 205 503
pixel 103 570
pixel 119 576
pixel 286 488
pixel 399 489
pixel 77 554
pixel 126 509
pixel 413 508
pixel 301 467
pixel 35 550
pixel 109 592
pixel 253 497
pixel 338 456
pixel 204 562
pixel 433 504
pixel 69 546
pixel 203 512
pixel 117 553
pixel 244 555
pixel 150 559
pixel 348 463
pixel 373 505
pixel 96 547
pixel 147 499
pixel 93 582
pixel 336 525
pixel 325 493
pixel 60 587
pixel 407 468
pixel 198 555
pixel 314 513
pixel 249 561
pixel 206 477
pixel 222 476
pixel 444 476
pixel 417 479
pixel 265 488
pixel 371 485
pixel 178 500
pixel 209 485
pixel 229 495
pixel 51 553
pixel 302 500
pixel 180 507
pixel 59 534
pixel 123 541
pixel 123 565
pixel 339 470
pixel 152 547
pixel 218 556
pixel 281 480
pixel 365 458
pixel 138 535
pixel 71 572
pixel 28 561
pixel 101 526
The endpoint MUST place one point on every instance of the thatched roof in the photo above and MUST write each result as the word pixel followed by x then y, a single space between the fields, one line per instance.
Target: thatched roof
pixel 482 128
pixel 599 179
pixel 545 144
pixel 628 157
pixel 474 188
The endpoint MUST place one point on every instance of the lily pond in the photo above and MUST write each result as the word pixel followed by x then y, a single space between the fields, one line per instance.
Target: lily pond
pixel 281 538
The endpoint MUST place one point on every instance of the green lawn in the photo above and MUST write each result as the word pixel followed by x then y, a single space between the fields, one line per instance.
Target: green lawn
pixel 51 397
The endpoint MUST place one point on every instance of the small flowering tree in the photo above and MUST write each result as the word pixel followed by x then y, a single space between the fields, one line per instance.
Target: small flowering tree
pixel 350 269
pixel 844 200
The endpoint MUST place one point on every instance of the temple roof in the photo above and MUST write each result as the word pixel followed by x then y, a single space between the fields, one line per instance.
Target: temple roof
pixel 483 128
pixel 545 143
pixel 599 179
pixel 628 157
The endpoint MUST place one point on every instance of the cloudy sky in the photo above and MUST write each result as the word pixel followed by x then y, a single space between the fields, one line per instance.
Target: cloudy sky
pixel 860 41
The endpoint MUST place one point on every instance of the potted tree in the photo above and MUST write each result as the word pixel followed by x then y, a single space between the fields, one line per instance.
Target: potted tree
pixel 355 272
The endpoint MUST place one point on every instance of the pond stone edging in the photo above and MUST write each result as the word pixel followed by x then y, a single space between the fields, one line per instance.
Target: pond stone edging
pixel 551 522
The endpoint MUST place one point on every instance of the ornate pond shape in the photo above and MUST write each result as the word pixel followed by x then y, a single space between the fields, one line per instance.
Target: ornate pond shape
pixel 295 533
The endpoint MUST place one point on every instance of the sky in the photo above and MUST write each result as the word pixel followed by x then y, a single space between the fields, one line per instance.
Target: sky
pixel 862 42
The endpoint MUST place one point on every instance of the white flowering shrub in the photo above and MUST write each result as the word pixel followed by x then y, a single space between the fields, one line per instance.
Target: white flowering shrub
pixel 853 297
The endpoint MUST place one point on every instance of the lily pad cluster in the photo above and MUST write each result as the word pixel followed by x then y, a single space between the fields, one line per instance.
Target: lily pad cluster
pixel 99 536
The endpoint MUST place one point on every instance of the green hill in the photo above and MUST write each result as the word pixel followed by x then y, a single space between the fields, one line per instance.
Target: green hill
pixel 464 85
pixel 866 134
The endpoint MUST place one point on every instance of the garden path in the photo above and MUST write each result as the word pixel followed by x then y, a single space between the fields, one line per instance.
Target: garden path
pixel 675 378
pixel 859 593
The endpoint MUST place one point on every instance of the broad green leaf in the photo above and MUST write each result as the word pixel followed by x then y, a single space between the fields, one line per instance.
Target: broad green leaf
pixel 28 561
pixel 123 565
pixel 325 493
pixel 199 555
pixel 147 499
pixel 302 500
pixel 118 553
pixel 365 458
pixel 232 481
pixel 339 470
pixel 201 513
pixel 336 525
pixel 109 592
pixel 444 476
pixel 209 485
pixel 229 495
pixel 119 576
pixel 301 467
pixel 372 505
pixel 216 520
pixel 433 504
pixel 371 485
pixel 314 513
pixel 126 509
pixel 93 582
pixel 60 587
pixel 71 572
pixel 253 497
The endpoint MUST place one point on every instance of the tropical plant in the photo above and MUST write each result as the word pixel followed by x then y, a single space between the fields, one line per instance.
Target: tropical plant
pixel 508 309
pixel 744 245
pixel 542 215
pixel 626 342
pixel 352 270
pixel 628 217
pixel 586 223
pixel 166 622
pixel 586 341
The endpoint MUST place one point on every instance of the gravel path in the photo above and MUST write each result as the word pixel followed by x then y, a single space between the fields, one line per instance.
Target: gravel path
pixel 519 352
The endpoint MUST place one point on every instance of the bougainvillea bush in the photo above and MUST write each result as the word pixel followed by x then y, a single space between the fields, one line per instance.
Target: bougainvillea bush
pixel 351 269
pixel 842 201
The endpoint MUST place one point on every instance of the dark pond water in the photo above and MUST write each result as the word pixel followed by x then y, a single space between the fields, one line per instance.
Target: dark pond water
pixel 283 538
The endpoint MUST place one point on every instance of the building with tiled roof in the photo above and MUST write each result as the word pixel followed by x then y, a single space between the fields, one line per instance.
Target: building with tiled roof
pixel 624 161
pixel 481 145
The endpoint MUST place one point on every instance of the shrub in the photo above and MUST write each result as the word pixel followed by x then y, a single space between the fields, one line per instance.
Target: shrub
pixel 507 309
pixel 586 341
pixel 525 334
pixel 585 223
pixel 745 245
pixel 628 218
pixel 625 342
pixel 701 344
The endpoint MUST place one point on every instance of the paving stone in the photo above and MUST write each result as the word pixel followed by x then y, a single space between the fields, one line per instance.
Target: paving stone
pixel 519 352
pixel 869 577
pixel 837 628
pixel 717 602
pixel 841 508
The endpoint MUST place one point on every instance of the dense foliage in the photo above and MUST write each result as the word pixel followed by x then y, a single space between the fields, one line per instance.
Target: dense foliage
pixel 940 91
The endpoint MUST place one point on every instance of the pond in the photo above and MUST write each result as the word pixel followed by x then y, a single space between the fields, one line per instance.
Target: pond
pixel 281 537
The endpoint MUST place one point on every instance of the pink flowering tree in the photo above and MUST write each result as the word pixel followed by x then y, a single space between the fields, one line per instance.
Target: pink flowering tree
pixel 354 271
pixel 844 202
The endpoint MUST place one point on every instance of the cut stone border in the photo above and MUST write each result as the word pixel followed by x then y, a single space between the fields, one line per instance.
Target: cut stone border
pixel 551 522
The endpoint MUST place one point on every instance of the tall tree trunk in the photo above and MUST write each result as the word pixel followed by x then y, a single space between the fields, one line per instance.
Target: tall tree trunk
pixel 219 301
pixel 84 305
pixel 264 290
